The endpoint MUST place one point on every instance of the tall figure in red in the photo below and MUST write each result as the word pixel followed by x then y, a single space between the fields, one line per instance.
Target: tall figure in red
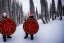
pixel 4 37
pixel 30 26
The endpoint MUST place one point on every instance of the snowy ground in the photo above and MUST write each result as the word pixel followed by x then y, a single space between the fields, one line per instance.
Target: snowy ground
pixel 53 32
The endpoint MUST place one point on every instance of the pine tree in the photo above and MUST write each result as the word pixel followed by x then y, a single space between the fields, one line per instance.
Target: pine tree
pixel 22 16
pixel 9 8
pixel 59 9
pixel 63 10
pixel 17 8
pixel 37 13
pixel 5 7
pixel 53 10
pixel 17 12
pixel 1 9
pixel 21 13
pixel 44 11
pixel 13 9
pixel 50 10
pixel 0 4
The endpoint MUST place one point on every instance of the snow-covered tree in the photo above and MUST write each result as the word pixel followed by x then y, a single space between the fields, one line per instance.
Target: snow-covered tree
pixel 17 12
pixel 53 10
pixel 44 11
pixel 21 14
pixel 13 10
pixel 59 9
pixel 50 10
pixel 1 9
pixel 5 6
pixel 37 13
pixel 63 10
pixel 10 7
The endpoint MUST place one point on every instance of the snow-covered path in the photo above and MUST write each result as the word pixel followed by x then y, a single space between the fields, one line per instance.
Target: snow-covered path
pixel 52 32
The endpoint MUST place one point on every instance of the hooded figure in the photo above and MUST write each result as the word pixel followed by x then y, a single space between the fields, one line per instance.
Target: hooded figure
pixel 26 34
pixel 4 37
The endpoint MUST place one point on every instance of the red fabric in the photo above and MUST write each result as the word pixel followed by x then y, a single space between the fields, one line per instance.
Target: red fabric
pixel 31 26
pixel 7 26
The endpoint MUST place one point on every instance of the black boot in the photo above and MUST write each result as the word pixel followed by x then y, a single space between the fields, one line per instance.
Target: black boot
pixel 31 36
pixel 9 37
pixel 26 36
pixel 4 38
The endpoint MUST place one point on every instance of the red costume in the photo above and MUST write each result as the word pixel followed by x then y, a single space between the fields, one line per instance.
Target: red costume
pixel 30 26
pixel 7 26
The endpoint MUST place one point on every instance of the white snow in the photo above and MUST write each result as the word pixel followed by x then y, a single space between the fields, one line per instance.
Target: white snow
pixel 53 32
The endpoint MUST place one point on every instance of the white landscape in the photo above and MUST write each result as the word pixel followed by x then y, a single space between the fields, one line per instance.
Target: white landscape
pixel 52 32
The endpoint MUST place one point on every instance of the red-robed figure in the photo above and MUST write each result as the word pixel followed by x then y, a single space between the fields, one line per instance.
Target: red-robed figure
pixel 7 27
pixel 30 26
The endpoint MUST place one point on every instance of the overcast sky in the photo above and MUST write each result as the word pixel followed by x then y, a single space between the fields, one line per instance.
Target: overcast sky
pixel 25 4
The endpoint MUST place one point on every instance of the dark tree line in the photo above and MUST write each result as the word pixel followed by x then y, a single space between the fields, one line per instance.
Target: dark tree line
pixel 14 10
pixel 56 13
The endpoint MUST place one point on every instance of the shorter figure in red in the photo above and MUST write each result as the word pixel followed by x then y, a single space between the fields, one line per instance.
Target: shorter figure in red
pixel 30 26
pixel 4 37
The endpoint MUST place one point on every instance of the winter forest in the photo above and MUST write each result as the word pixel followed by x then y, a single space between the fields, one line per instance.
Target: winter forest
pixel 52 15
pixel 14 10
